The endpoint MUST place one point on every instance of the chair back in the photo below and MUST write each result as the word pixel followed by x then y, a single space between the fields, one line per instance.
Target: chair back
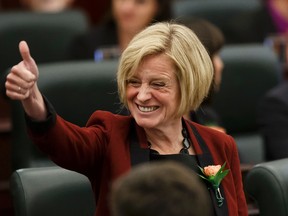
pixel 218 12
pixel 49 35
pixel 267 184
pixel 249 72
pixel 50 191
pixel 76 89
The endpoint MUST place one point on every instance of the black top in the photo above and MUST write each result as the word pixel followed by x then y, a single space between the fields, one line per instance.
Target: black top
pixel 187 160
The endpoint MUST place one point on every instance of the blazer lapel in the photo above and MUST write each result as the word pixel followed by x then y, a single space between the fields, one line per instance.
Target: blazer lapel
pixel 140 155
pixel 206 159
pixel 137 154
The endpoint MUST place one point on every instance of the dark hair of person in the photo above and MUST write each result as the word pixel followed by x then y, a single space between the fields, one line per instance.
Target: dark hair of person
pixel 160 188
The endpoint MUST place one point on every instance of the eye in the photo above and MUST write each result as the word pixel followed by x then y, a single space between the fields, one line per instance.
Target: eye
pixel 134 82
pixel 158 84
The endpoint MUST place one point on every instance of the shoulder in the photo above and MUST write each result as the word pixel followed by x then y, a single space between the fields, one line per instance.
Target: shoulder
pixel 216 141
pixel 210 133
pixel 221 145
pixel 109 120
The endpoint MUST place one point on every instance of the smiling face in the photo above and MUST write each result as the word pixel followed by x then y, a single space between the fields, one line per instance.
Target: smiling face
pixel 134 15
pixel 153 92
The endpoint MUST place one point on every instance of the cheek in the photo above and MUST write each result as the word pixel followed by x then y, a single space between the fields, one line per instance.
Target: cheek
pixel 177 96
pixel 130 93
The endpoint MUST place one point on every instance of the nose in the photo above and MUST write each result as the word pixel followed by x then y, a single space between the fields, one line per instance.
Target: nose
pixel 144 93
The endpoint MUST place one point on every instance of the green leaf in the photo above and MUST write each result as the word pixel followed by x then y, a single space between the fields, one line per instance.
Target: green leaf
pixel 223 174
pixel 215 180
pixel 221 169
pixel 204 177
pixel 201 169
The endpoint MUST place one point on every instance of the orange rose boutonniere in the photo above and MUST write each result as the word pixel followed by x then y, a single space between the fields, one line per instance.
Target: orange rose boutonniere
pixel 215 174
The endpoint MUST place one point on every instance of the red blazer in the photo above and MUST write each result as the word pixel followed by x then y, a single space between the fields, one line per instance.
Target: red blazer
pixel 101 151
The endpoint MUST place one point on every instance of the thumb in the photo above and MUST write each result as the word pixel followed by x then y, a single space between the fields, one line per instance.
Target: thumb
pixel 27 59
pixel 25 53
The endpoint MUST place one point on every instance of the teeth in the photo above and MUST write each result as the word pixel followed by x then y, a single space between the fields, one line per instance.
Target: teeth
pixel 147 109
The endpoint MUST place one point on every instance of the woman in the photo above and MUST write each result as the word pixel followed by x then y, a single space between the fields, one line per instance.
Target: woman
pixel 124 21
pixel 163 73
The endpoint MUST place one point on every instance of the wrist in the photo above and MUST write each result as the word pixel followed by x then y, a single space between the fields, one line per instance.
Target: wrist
pixel 34 105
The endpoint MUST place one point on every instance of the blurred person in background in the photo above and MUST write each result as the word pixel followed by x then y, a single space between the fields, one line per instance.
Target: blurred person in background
pixel 47 5
pixel 124 20
pixel 278 11
pixel 273 122
pixel 163 188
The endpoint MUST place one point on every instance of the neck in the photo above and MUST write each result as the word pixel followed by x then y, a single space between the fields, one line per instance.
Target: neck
pixel 166 141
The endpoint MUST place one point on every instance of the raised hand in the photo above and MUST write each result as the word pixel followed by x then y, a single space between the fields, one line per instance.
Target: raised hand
pixel 23 76
pixel 21 84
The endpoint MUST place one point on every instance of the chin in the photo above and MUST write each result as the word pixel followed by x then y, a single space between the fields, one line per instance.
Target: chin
pixel 146 123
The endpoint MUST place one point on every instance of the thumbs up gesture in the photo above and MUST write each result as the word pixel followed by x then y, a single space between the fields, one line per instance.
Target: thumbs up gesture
pixel 23 76
pixel 21 84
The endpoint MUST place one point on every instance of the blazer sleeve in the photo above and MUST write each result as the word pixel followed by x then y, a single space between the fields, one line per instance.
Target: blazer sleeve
pixel 81 149
pixel 238 181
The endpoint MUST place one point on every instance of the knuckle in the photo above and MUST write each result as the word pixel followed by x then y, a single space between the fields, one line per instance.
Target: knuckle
pixel 14 68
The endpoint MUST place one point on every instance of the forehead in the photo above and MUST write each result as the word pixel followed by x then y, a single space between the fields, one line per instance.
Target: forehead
pixel 156 64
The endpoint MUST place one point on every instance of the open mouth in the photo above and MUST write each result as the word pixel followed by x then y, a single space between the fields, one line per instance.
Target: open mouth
pixel 147 108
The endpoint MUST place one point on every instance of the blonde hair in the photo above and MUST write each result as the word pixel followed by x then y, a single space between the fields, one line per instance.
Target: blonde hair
pixel 193 64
